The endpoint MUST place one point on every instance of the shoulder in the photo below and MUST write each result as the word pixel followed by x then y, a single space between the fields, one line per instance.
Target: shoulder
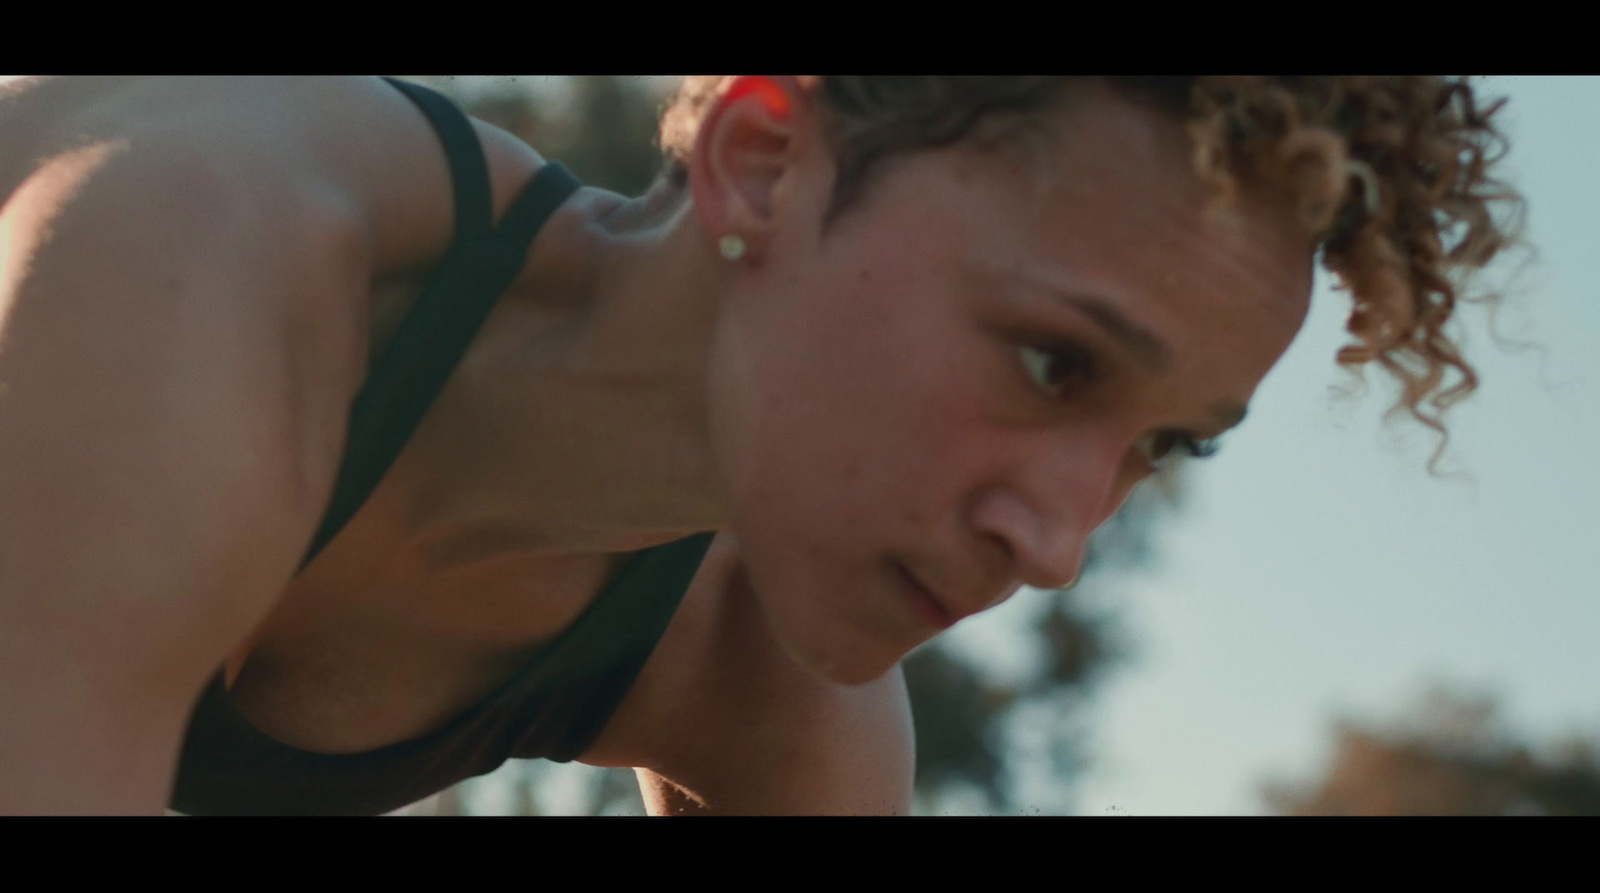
pixel 198 217
pixel 265 129
pixel 234 170
pixel 284 197
pixel 294 145
pixel 722 713
pixel 177 267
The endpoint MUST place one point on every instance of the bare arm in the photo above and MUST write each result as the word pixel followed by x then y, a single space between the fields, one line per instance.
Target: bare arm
pixel 846 752
pixel 163 454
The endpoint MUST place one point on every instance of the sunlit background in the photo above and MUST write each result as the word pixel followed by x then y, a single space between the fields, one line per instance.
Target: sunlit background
pixel 1312 623
pixel 1309 622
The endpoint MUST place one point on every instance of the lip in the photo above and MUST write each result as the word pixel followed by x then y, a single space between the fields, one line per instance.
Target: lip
pixel 926 605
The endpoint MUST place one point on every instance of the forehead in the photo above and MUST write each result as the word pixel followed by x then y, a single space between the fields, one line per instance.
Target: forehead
pixel 1100 196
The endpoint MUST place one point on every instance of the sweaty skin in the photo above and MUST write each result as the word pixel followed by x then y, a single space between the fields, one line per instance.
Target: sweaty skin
pixel 891 421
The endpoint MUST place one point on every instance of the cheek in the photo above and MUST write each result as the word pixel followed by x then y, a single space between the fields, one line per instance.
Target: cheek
pixel 843 409
pixel 846 435
pixel 806 418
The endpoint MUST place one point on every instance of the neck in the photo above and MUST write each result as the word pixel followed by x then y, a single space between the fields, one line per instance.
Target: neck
pixel 577 420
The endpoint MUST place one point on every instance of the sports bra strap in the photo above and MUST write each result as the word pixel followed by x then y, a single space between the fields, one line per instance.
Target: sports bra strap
pixel 457 298
pixel 468 172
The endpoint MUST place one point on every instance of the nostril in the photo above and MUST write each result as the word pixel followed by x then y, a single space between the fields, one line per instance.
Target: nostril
pixel 1005 553
pixel 1039 549
pixel 1053 577
pixel 1055 558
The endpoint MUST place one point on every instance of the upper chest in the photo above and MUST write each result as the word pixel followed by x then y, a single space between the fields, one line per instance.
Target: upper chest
pixel 343 679
pixel 347 665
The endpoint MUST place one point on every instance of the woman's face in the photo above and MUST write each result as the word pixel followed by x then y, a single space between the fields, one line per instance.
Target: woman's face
pixel 939 398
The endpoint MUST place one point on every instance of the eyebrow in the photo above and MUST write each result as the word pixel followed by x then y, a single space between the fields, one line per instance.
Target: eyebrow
pixel 1148 346
pixel 1140 341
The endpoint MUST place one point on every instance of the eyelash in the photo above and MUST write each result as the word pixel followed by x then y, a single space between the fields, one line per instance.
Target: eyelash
pixel 1192 447
pixel 1037 360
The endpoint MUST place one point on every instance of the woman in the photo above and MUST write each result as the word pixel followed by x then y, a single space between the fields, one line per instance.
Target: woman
pixel 671 482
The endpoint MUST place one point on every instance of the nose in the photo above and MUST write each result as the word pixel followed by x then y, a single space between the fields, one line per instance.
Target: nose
pixel 1044 512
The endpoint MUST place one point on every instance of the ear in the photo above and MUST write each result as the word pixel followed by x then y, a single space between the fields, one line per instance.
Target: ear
pixel 746 143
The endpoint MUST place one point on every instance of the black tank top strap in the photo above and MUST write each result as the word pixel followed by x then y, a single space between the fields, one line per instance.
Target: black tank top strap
pixel 468 171
pixel 480 265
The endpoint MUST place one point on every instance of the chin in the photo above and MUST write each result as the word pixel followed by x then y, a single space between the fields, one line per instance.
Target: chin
pixel 846 636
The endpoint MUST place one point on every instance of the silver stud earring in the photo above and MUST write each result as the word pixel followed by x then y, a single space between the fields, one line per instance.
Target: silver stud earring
pixel 732 247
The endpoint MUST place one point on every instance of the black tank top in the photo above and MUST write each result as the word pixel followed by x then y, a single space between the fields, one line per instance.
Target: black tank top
pixel 558 703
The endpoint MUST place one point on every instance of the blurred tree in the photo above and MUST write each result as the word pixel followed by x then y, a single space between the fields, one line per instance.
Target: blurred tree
pixel 1451 756
pixel 966 715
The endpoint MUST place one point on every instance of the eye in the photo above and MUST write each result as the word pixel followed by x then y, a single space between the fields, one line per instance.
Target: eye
pixel 1158 448
pixel 1057 368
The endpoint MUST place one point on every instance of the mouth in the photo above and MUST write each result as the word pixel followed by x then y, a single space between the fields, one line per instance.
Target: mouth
pixel 923 603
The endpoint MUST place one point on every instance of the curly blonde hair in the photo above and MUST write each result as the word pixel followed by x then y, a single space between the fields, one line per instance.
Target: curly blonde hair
pixel 1390 175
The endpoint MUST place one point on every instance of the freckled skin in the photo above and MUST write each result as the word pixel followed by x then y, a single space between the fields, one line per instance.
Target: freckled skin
pixel 906 428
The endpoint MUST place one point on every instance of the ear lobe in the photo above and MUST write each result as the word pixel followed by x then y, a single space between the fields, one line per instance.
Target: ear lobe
pixel 744 145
